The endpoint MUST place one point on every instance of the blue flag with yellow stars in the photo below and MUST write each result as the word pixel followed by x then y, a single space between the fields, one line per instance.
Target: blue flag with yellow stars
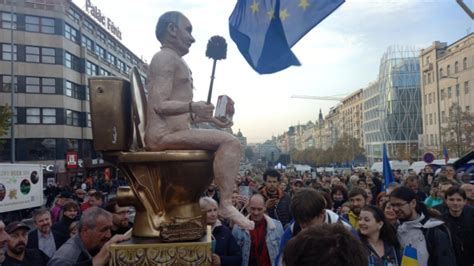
pixel 265 30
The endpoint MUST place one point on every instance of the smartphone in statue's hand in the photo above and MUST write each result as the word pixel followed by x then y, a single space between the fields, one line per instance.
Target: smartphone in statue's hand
pixel 224 109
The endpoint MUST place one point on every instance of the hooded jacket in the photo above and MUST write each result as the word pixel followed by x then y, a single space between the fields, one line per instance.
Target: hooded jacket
pixel 431 241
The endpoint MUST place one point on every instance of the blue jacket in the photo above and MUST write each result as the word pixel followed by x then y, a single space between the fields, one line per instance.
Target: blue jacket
pixel 272 239
pixel 226 246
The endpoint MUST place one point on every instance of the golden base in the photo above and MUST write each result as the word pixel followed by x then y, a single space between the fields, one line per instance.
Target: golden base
pixel 148 251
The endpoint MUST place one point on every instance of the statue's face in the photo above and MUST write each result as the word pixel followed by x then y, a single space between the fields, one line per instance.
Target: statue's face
pixel 183 38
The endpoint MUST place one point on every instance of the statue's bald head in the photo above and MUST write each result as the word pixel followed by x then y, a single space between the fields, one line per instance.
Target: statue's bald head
pixel 163 22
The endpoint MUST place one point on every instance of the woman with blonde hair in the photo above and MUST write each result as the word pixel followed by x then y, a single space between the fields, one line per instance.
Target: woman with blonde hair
pixel 225 249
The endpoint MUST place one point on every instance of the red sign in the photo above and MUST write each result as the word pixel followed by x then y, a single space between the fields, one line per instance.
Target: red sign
pixel 71 159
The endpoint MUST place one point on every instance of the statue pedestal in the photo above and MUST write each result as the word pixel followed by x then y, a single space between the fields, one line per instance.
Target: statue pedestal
pixel 149 251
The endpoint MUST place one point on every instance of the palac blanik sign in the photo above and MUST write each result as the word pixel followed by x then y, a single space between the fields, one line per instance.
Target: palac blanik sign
pixel 21 186
pixel 105 21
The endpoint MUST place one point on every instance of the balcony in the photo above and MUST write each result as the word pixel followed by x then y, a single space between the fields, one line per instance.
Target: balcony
pixel 428 67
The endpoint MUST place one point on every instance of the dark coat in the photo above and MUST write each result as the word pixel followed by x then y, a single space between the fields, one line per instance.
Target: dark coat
pixel 226 246
pixel 59 239
pixel 62 227
pixel 462 235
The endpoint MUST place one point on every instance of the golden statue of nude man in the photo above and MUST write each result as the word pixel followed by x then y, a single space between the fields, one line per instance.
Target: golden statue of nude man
pixel 171 111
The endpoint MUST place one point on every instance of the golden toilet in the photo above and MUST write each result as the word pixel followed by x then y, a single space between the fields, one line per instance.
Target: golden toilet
pixel 165 186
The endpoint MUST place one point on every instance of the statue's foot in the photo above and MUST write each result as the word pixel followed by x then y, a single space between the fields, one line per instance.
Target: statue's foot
pixel 226 210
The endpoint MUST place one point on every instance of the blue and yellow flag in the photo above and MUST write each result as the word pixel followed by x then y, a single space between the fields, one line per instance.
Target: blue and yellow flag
pixel 410 257
pixel 265 30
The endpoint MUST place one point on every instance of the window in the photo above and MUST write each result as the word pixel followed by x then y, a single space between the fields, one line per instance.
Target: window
pixel 32 85
pixel 429 98
pixel 443 117
pixel 449 92
pixel 457 89
pixel 74 15
pixel 456 67
pixel 103 72
pixel 72 61
pixel 39 24
pixel 464 63
pixel 441 72
pixel 89 120
pixel 6 83
pixel 431 119
pixel 48 85
pixel 48 55
pixel 100 51
pixel 72 118
pixel 32 54
pixel 425 99
pixel 427 60
pixel 468 108
pixel 8 21
pixel 88 25
pixel 466 87
pixel 442 94
pixel 91 69
pixel 434 118
pixel 49 116
pixel 7 52
pixel 32 23
pixel 72 90
pixel 448 70
pixel 33 115
pixel 111 58
pixel 40 149
pixel 102 36
pixel 71 33
pixel 121 65
pixel 429 78
pixel 88 43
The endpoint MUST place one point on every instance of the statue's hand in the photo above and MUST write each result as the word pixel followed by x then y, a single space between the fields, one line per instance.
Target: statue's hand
pixel 203 109
pixel 222 124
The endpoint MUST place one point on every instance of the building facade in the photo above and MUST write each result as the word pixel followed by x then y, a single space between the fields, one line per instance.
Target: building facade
pixel 372 123
pixel 352 116
pixel 50 48
pixel 447 80
pixel 400 101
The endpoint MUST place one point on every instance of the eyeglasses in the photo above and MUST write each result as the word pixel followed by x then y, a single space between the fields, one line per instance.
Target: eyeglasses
pixel 398 205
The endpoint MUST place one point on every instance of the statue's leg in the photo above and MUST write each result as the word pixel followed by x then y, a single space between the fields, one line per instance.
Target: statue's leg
pixel 226 163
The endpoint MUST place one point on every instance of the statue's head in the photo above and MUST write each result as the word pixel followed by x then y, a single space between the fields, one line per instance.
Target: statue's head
pixel 174 30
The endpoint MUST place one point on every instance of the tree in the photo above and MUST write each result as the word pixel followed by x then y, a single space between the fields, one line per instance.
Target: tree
pixel 458 132
pixel 5 116
pixel 249 154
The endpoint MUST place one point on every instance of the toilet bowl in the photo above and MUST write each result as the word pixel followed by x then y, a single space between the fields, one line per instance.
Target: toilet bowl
pixel 165 186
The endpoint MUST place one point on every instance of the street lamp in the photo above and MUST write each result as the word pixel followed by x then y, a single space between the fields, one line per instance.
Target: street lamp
pixel 458 116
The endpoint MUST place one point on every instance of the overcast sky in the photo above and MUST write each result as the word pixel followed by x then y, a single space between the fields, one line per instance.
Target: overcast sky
pixel 338 56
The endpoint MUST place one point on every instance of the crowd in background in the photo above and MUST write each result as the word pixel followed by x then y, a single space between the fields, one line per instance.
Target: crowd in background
pixel 348 218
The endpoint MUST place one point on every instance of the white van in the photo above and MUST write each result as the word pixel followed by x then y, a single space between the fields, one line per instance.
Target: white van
pixel 394 165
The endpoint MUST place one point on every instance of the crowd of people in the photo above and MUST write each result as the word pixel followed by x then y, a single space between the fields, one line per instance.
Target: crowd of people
pixel 350 218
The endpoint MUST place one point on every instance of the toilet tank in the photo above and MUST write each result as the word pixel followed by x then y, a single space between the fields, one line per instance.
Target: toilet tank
pixel 110 104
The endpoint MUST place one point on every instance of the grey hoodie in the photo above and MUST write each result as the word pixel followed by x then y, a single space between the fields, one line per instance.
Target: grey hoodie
pixel 411 233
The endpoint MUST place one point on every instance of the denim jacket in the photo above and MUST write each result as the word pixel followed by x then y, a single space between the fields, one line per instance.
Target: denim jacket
pixel 272 239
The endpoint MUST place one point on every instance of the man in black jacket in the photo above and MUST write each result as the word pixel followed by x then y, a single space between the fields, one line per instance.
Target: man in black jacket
pixel 277 201
pixel 43 238
pixel 460 220
pixel 18 253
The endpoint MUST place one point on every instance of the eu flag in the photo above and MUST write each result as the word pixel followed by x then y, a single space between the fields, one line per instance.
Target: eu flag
pixel 387 170
pixel 265 30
